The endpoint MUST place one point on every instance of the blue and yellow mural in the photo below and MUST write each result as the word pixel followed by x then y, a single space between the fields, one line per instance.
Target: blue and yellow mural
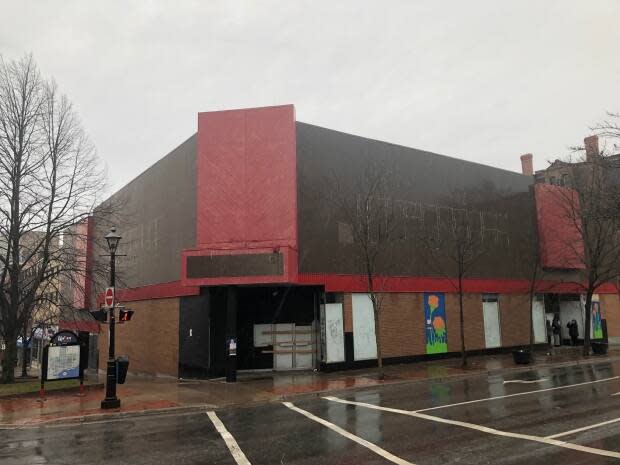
pixel 597 324
pixel 435 327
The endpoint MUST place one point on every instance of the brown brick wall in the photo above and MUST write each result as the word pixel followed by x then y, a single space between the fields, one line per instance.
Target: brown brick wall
pixel 150 339
pixel 473 320
pixel 347 309
pixel 402 325
pixel 514 319
pixel 610 306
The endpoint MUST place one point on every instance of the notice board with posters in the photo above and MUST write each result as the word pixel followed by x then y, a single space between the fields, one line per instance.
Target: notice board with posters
pixel 435 323
pixel 63 362
pixel 61 358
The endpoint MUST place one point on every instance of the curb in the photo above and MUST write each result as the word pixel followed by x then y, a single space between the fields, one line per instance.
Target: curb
pixel 112 416
pixel 64 390
pixel 103 417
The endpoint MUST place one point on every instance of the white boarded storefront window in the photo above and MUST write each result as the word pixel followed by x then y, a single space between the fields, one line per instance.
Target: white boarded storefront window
pixel 538 320
pixel 490 311
pixel 364 342
pixel 332 330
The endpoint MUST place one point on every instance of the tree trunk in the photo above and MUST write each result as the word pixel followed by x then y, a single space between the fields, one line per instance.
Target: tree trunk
pixel 8 360
pixel 587 322
pixel 531 319
pixel 462 321
pixel 24 359
pixel 375 310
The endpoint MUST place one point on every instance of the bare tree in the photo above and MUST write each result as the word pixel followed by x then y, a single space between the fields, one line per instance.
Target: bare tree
pixel 453 239
pixel 609 128
pixel 534 280
pixel 590 208
pixel 370 213
pixel 50 180
pixel 530 254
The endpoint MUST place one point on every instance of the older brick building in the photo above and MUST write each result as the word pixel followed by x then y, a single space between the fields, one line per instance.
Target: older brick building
pixel 233 237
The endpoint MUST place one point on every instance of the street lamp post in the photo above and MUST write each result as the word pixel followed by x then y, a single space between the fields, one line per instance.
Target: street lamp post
pixel 111 401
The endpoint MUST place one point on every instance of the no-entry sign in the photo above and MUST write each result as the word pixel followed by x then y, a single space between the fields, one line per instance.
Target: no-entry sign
pixel 109 297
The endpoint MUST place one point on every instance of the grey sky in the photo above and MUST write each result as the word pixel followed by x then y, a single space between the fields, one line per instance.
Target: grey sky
pixel 480 80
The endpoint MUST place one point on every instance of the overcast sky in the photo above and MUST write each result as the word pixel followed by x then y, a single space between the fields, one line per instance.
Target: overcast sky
pixel 481 80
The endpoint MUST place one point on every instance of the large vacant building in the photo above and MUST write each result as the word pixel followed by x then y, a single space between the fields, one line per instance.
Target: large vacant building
pixel 239 236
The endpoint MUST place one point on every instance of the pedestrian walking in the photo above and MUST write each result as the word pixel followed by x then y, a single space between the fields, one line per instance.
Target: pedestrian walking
pixel 549 333
pixel 557 327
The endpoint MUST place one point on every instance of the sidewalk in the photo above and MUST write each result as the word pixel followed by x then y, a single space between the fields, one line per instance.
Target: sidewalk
pixel 142 394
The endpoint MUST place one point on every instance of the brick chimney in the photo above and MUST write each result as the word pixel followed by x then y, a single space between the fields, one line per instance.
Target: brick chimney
pixel 591 144
pixel 527 166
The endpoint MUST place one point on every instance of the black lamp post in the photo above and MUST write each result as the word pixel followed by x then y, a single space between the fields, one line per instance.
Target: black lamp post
pixel 111 401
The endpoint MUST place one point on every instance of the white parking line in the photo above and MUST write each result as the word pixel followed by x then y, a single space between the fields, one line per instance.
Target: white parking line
pixel 228 438
pixel 517 394
pixel 523 381
pixel 484 429
pixel 369 445
pixel 585 428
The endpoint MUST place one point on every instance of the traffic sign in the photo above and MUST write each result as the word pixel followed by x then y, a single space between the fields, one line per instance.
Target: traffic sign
pixel 109 297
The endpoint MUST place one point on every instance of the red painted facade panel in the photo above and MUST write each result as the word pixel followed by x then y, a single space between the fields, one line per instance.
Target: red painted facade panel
pixel 247 186
pixel 220 202
pixel 559 238
pixel 271 176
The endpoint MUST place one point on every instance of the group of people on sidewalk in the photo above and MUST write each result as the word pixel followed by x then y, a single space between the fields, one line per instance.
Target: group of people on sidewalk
pixel 554 332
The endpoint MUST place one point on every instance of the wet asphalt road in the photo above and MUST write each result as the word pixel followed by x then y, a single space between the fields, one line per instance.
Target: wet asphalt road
pixel 276 434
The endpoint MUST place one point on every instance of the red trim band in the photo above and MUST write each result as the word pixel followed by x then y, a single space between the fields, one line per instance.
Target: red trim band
pixel 357 283
pixel 153 291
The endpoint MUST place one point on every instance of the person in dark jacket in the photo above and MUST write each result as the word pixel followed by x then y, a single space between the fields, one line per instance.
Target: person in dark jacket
pixel 557 326
pixel 573 331
pixel 549 336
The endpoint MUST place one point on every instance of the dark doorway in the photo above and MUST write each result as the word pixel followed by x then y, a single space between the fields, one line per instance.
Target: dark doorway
pixel 276 327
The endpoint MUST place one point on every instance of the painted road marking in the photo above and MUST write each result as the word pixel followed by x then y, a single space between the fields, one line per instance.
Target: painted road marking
pixel 523 381
pixel 484 429
pixel 517 394
pixel 369 445
pixel 585 428
pixel 228 438
pixel 616 394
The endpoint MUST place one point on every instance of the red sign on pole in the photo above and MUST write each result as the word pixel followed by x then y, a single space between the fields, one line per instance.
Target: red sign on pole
pixel 109 297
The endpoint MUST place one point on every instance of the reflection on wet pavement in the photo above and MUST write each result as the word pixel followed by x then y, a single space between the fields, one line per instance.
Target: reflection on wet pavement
pixel 271 433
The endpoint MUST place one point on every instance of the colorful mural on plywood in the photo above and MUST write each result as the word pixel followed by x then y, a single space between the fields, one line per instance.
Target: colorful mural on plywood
pixel 597 324
pixel 435 327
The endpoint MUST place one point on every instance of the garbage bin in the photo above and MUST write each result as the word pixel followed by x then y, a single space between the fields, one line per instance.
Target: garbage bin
pixel 522 356
pixel 599 347
pixel 122 365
